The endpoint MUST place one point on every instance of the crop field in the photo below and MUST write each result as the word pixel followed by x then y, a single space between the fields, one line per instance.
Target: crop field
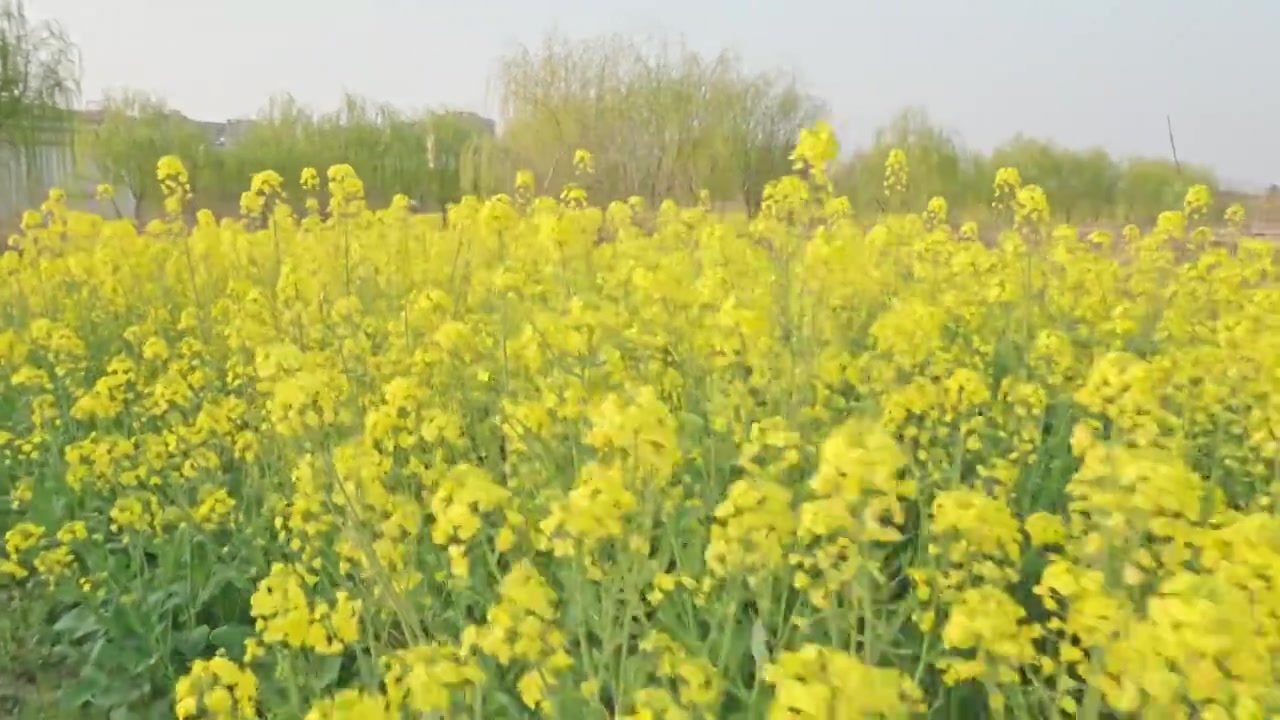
pixel 539 457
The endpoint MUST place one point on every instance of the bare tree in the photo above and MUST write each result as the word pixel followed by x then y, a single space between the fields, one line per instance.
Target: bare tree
pixel 764 118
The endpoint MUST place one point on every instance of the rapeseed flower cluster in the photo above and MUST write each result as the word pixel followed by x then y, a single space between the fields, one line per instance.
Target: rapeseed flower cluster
pixel 535 455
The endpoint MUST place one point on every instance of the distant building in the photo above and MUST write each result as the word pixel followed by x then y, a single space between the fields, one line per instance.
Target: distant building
pixel 233 130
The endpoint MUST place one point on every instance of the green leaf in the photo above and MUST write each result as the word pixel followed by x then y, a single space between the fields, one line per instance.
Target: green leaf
pixel 160 709
pixel 512 704
pixel 120 693
pixel 328 668
pixel 759 643
pixel 83 690
pixel 693 423
pixel 221 576
pixel 124 622
pixel 144 663
pixel 77 623
pixel 77 695
pixel 100 643
pixel 192 641
pixel 168 599
pixel 231 638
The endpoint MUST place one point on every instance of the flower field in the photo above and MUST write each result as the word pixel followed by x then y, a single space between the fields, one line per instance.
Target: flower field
pixel 540 458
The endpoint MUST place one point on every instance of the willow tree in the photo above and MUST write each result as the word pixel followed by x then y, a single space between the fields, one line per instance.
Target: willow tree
pixel 456 143
pixel 1149 186
pixel 661 119
pixel 285 136
pixel 763 116
pixel 1083 185
pixel 393 151
pixel 938 165
pixel 39 86
pixel 487 166
pixel 137 129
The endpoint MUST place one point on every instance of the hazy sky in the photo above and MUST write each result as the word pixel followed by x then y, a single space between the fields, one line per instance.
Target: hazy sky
pixel 1082 72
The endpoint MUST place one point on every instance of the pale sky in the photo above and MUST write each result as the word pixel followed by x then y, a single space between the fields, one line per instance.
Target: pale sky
pixel 1081 72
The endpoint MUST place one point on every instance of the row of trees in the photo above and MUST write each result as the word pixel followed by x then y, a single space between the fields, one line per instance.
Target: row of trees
pixel 418 154
pixel 1083 185
pixel 667 121
pixel 662 120
pixel 670 146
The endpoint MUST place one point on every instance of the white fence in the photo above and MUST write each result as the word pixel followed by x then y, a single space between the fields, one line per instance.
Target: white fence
pixel 25 179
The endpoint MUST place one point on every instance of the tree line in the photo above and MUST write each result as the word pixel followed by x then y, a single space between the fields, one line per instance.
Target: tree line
pixel 662 120
pixel 393 151
pixel 1083 186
